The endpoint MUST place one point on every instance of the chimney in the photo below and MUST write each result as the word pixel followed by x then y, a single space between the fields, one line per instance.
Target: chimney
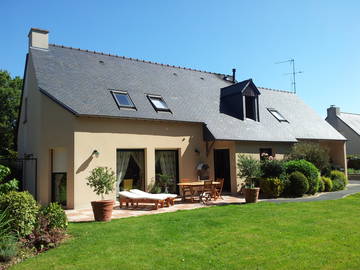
pixel 333 111
pixel 38 38
pixel 233 76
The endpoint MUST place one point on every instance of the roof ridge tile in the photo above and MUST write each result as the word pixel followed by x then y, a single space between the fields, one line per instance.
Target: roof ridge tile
pixel 135 59
pixel 350 113
pixel 276 90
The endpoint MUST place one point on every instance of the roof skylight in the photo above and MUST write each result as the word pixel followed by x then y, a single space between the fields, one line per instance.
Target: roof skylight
pixel 277 115
pixel 158 103
pixel 123 99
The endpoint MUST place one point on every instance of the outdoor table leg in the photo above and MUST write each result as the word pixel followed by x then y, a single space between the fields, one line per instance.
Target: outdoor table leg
pixel 192 193
pixel 183 193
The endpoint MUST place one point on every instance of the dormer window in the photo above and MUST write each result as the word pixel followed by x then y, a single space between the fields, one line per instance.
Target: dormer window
pixel 123 99
pixel 277 115
pixel 241 100
pixel 250 107
pixel 158 103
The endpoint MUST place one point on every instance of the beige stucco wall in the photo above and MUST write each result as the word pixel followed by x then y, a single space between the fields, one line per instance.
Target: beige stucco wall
pixel 253 149
pixel 108 135
pixel 210 160
pixel 58 133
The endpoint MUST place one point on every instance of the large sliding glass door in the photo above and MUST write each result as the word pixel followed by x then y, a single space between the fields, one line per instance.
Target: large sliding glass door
pixel 130 169
pixel 167 166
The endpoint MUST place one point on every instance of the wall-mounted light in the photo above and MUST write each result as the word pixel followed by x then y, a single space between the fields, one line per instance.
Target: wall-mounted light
pixel 95 153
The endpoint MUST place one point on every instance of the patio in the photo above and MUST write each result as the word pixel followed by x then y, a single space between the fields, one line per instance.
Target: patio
pixel 85 215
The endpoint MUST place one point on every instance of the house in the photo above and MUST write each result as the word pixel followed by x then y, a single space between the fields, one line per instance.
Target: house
pixel 348 124
pixel 81 109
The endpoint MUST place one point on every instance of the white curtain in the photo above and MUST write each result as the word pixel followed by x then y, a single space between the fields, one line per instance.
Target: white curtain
pixel 168 163
pixel 138 156
pixel 122 158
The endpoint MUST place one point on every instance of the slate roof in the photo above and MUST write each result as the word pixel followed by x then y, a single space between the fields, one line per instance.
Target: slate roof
pixel 352 120
pixel 80 81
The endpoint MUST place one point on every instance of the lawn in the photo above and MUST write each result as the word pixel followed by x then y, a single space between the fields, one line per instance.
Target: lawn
pixel 312 235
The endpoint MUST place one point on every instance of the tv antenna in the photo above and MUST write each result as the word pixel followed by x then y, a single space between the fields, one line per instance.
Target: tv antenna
pixel 293 73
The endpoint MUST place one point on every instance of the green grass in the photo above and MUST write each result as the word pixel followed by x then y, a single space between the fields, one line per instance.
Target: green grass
pixel 315 235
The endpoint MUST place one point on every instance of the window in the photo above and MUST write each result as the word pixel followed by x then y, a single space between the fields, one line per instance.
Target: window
pixel 58 188
pixel 158 103
pixel 265 153
pixel 123 99
pixel 250 108
pixel 277 115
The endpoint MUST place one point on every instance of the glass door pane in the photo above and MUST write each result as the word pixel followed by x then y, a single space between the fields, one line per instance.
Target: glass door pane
pixel 166 170
pixel 59 188
pixel 130 169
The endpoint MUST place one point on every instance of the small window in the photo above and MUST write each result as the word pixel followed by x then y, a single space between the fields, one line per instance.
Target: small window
pixel 158 103
pixel 123 99
pixel 277 115
pixel 265 153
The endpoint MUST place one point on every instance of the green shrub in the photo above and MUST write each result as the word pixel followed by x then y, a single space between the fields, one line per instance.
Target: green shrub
pixel 353 171
pixel 55 215
pixel 321 185
pixel 8 243
pixel 306 168
pixel 298 184
pixel 339 180
pixel 7 186
pixel 8 248
pixel 328 185
pixel 272 168
pixel 23 210
pixel 271 187
pixel 312 152
pixel 43 236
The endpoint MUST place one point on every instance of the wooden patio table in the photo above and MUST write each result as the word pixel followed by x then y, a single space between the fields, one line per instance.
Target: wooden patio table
pixel 191 186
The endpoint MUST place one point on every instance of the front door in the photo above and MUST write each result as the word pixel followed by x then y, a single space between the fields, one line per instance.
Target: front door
pixel 222 167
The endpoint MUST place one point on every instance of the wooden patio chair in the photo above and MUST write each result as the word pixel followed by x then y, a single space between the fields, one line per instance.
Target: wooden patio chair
pixel 219 188
pixel 207 192
pixel 185 189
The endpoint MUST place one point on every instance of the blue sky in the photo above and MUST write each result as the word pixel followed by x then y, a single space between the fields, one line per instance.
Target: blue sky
pixel 322 36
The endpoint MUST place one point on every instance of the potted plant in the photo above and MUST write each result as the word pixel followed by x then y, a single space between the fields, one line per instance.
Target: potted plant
pixel 249 168
pixel 165 182
pixel 102 181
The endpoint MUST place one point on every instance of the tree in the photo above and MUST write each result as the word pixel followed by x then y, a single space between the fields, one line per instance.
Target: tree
pixel 312 152
pixel 10 92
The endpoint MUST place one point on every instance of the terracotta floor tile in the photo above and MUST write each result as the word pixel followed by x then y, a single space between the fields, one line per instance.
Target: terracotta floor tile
pixel 87 214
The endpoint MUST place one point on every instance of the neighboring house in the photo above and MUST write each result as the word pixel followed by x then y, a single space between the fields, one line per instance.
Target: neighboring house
pixel 348 124
pixel 82 109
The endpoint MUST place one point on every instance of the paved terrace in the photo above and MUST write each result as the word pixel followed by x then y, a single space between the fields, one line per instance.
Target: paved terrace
pixel 85 215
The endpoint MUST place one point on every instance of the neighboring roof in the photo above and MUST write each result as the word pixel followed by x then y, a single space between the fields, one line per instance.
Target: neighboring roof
pixel 352 120
pixel 80 81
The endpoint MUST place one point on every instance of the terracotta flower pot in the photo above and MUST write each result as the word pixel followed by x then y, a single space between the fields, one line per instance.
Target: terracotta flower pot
pixel 102 209
pixel 251 194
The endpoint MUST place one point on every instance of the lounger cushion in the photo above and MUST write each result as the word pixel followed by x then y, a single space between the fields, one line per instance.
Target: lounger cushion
pixel 162 195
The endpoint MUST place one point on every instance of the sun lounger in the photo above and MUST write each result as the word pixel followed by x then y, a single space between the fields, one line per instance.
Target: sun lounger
pixel 134 199
pixel 169 198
